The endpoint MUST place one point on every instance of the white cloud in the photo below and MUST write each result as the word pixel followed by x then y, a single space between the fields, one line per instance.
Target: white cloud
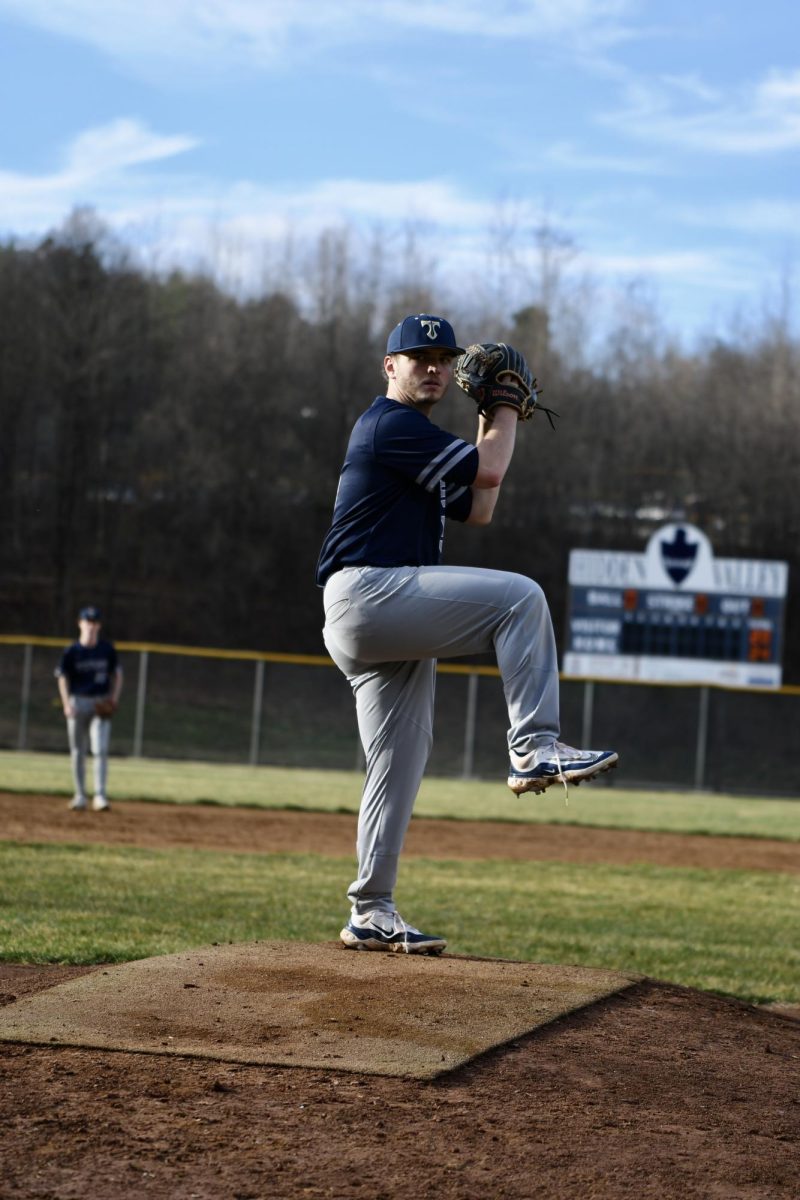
pixel 763 117
pixel 96 163
pixel 755 216
pixel 137 31
pixel 693 87
pixel 509 18
pixel 106 168
pixel 430 202
pixel 571 157
pixel 122 143
pixel 693 281
pixel 108 163
pixel 224 33
pixel 673 264
pixel 178 216
pixel 781 87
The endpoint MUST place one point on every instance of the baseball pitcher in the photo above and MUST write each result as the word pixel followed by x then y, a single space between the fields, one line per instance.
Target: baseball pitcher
pixel 392 608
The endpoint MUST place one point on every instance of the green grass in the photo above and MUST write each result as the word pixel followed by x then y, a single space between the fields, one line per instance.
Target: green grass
pixel 274 787
pixel 83 904
pixel 732 932
pixel 726 931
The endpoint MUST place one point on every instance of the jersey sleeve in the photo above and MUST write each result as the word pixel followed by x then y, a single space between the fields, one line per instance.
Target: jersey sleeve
pixel 65 664
pixel 409 443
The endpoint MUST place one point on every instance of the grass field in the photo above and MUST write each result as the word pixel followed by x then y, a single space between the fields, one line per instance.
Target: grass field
pixel 727 931
pixel 180 782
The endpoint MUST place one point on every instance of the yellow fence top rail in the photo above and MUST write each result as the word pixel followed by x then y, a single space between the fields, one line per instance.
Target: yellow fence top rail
pixel 322 660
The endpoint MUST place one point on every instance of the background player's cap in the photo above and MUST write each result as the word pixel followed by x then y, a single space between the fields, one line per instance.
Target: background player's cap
pixel 420 333
pixel 90 613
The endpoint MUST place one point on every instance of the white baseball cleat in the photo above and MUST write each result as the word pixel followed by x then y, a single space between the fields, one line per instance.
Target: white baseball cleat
pixel 379 930
pixel 557 763
pixel 100 804
pixel 77 804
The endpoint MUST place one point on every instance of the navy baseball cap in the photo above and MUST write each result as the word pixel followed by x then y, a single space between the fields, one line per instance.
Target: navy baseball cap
pixel 421 333
pixel 90 613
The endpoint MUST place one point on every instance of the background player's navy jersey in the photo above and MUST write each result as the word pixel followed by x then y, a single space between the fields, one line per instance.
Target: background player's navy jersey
pixel 89 669
pixel 402 476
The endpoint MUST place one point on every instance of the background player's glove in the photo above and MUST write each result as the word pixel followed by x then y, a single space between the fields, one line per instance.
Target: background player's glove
pixel 477 373
pixel 105 708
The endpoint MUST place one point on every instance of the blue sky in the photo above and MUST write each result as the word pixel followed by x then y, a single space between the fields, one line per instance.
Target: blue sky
pixel 656 142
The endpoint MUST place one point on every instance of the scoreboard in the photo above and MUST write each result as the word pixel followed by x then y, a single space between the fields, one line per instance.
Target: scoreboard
pixel 675 614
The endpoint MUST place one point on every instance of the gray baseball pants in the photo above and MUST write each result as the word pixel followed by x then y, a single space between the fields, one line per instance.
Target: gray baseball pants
pixel 86 729
pixel 384 628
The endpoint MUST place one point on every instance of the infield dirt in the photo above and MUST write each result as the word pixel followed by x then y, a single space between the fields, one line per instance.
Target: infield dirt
pixel 658 1092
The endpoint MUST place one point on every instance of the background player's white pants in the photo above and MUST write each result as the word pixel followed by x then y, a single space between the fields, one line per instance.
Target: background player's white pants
pixel 384 628
pixel 86 729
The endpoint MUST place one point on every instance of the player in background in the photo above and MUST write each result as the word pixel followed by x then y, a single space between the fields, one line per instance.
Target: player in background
pixel 391 610
pixel 89 671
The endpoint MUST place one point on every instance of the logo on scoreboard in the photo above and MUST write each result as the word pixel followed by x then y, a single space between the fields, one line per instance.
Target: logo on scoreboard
pixel 678 555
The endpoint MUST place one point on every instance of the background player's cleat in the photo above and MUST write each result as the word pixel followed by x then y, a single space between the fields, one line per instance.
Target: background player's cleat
pixel 380 930
pixel 557 763
pixel 100 804
pixel 77 804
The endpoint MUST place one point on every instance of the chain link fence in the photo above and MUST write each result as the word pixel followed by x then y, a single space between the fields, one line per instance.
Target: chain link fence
pixel 297 711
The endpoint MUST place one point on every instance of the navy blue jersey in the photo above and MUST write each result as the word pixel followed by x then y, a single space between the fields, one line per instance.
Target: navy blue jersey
pixel 402 476
pixel 89 669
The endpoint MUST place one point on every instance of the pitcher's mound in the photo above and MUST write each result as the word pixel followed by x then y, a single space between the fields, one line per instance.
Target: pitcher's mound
pixel 294 1004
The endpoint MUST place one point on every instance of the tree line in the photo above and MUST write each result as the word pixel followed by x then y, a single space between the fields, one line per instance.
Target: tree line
pixel 171 451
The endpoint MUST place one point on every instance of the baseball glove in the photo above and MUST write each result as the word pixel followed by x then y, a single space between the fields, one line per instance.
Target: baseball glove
pixel 105 708
pixel 477 373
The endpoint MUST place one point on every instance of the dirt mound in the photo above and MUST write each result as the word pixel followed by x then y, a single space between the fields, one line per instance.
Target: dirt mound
pixel 279 1003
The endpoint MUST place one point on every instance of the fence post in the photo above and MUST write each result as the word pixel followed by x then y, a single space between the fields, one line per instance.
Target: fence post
pixel 141 693
pixel 702 740
pixel 25 700
pixel 588 713
pixel 258 693
pixel 469 726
